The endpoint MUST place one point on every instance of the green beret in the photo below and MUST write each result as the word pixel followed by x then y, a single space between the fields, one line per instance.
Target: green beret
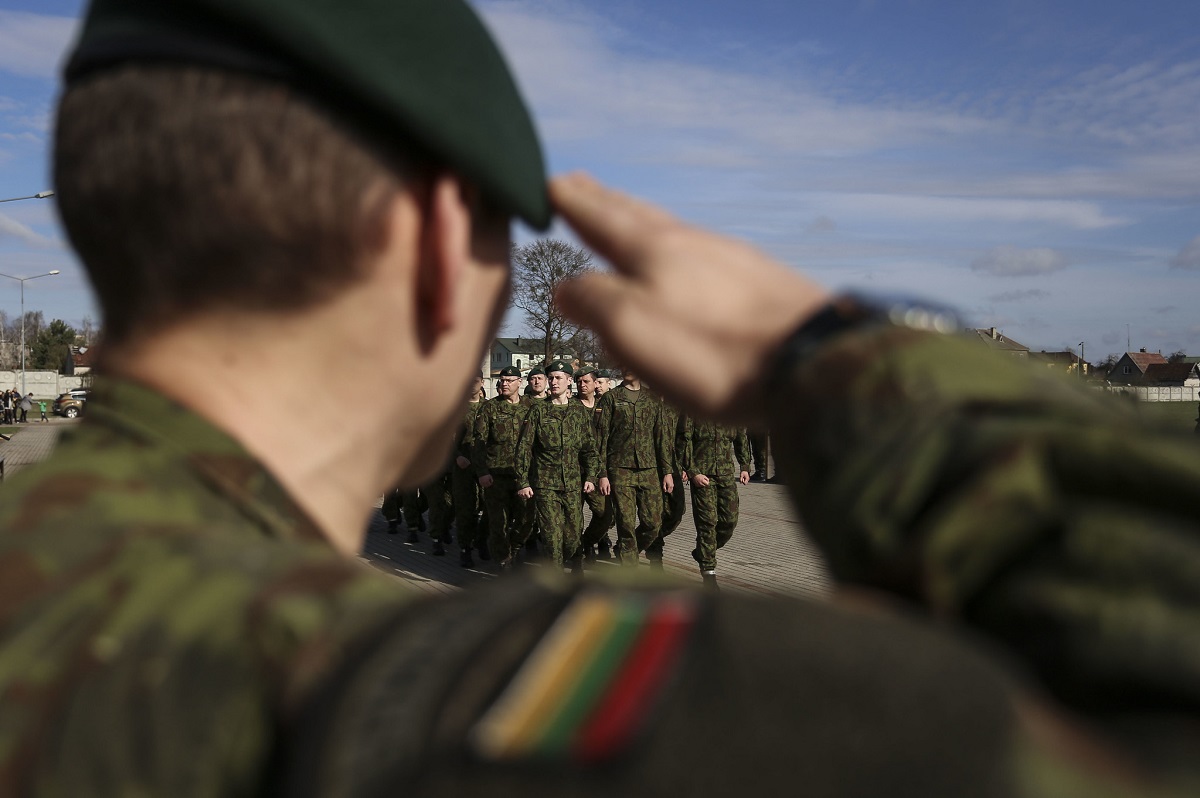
pixel 560 365
pixel 510 371
pixel 537 370
pixel 401 72
pixel 586 370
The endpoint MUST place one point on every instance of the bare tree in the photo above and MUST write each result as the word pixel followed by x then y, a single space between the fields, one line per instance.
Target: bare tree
pixel 539 268
pixel 1178 356
pixel 87 332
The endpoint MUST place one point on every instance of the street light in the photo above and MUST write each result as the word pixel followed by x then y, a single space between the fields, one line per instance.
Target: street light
pixel 39 195
pixel 22 281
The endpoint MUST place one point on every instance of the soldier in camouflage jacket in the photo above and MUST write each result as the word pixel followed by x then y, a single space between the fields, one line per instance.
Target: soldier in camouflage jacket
pixel 556 465
pixel 707 450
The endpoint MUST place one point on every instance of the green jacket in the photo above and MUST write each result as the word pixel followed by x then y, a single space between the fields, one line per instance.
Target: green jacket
pixel 464 439
pixel 557 448
pixel 497 430
pixel 165 608
pixel 709 448
pixel 631 432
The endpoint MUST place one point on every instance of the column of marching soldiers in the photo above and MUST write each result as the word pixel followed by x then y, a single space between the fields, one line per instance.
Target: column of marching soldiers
pixel 524 464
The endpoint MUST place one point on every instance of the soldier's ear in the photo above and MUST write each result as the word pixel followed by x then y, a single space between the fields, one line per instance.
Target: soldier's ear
pixel 445 250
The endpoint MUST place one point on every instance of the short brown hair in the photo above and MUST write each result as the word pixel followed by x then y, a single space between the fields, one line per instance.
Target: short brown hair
pixel 187 189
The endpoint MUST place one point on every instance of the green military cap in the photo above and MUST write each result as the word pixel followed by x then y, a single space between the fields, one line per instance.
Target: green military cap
pixel 401 72
pixel 560 365
pixel 586 370
pixel 537 370
pixel 510 371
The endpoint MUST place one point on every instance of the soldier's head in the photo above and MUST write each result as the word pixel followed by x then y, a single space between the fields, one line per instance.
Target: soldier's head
pixel 558 377
pixel 603 382
pixel 630 376
pixel 269 165
pixel 585 381
pixel 475 392
pixel 537 380
pixel 509 382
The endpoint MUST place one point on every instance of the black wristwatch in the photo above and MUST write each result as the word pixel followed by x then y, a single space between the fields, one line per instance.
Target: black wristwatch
pixel 854 311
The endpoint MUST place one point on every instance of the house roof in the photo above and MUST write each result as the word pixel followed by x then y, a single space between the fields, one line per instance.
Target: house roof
pixel 1066 358
pixel 1175 373
pixel 998 340
pixel 84 355
pixel 1144 359
pixel 517 344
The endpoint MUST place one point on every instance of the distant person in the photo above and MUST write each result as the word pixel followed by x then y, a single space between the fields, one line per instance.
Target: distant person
pixel 42 409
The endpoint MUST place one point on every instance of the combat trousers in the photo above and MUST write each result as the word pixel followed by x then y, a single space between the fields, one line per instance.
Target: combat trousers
pixel 637 494
pixel 673 507
pixel 510 518
pixel 715 512
pixel 441 510
pixel 601 507
pixel 411 505
pixel 467 502
pixel 560 517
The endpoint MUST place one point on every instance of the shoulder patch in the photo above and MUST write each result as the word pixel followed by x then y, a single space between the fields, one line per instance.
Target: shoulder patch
pixel 589 685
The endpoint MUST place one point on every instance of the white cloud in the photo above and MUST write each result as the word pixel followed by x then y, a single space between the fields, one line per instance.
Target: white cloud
pixel 1013 262
pixel 33 45
pixel 1067 213
pixel 11 228
pixel 1019 296
pixel 1188 257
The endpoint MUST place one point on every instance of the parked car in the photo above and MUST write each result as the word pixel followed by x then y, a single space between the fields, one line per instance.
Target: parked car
pixel 71 403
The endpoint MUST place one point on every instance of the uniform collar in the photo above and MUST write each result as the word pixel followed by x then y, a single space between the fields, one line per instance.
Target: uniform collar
pixel 218 460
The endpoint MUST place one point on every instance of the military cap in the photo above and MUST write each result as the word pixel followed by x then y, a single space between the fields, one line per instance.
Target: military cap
pixel 537 370
pixel 586 370
pixel 510 371
pixel 560 365
pixel 418 74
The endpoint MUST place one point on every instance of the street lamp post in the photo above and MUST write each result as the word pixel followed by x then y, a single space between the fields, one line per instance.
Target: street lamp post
pixel 22 281
pixel 39 195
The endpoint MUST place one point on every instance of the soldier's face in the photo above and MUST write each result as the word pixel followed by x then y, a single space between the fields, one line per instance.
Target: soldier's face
pixel 602 386
pixel 560 383
pixel 538 383
pixel 510 386
pixel 587 385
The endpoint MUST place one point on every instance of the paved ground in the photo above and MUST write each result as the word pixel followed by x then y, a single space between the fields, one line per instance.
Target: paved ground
pixel 769 552
pixel 31 443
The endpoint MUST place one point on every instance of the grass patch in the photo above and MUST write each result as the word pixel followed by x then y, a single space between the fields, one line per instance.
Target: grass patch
pixel 1177 415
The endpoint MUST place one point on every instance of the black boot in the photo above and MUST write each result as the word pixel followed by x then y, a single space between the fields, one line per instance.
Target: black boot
pixel 484 554
pixel 710 580
pixel 464 559
pixel 605 549
pixel 438 549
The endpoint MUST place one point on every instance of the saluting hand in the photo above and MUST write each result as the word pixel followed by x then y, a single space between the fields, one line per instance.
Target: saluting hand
pixel 664 271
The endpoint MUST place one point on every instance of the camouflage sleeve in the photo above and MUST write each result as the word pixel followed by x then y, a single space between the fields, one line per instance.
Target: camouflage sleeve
pixel 1043 513
pixel 604 412
pixel 588 460
pixel 466 432
pixel 741 450
pixel 483 420
pixel 524 459
pixel 684 450
pixel 662 441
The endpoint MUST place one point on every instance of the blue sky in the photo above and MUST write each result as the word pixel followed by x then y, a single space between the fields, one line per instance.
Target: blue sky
pixel 1036 164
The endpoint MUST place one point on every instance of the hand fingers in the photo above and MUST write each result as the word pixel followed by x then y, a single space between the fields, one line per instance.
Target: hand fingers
pixel 613 224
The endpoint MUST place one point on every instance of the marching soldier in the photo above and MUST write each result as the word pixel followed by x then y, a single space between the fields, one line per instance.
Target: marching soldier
pixel 707 451
pixel 673 501
pixel 601 506
pixel 556 463
pixel 635 466
pixel 494 457
pixel 465 485
pixel 537 388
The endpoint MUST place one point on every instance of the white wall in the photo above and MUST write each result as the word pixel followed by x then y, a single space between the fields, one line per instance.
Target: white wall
pixel 43 384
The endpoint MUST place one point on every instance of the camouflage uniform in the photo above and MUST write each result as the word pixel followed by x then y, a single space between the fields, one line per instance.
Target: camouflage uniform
pixel 555 456
pixel 634 456
pixel 674 502
pixel 465 484
pixel 708 449
pixel 164 607
pixel 599 505
pixel 497 431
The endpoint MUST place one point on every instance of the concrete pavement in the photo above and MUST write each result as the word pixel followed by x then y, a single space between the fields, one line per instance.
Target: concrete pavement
pixel 769 553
